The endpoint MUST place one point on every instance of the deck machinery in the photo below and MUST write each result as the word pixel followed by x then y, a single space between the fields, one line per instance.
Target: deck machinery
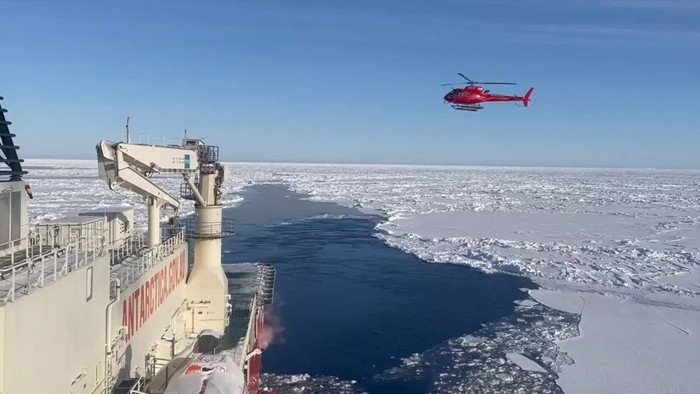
pixel 130 166
pixel 89 304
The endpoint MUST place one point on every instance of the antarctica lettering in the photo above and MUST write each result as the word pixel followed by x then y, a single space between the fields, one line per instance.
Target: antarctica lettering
pixel 144 301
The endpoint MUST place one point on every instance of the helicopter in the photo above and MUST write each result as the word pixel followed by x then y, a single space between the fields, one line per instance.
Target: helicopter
pixel 470 97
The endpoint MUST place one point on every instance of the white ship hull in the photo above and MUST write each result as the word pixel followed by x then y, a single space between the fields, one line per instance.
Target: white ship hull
pixel 89 306
pixel 67 317
pixel 148 321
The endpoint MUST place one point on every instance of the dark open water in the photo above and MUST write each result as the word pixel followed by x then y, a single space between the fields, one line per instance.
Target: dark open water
pixel 350 305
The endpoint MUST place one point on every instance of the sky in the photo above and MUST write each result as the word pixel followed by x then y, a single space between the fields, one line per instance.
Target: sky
pixel 616 82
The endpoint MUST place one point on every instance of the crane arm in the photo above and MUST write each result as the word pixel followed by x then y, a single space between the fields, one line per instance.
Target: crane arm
pixel 130 165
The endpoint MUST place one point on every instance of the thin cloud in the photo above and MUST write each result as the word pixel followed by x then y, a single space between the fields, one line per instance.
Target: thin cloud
pixel 681 5
pixel 592 35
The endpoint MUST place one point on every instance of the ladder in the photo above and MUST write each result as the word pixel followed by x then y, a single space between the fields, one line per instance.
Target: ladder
pixel 9 150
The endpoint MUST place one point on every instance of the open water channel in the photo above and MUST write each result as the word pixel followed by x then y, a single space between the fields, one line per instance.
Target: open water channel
pixel 350 307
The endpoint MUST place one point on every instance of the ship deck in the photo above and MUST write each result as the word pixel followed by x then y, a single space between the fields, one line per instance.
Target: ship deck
pixel 20 256
pixel 250 285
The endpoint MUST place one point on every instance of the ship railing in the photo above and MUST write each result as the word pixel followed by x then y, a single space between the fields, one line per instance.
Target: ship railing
pixel 139 386
pixel 133 266
pixel 161 370
pixel 129 247
pixel 15 245
pixel 37 244
pixel 266 284
pixel 259 300
pixel 209 230
pixel 40 263
pixel 250 332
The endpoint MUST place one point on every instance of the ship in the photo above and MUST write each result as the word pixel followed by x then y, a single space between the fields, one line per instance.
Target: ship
pixel 90 303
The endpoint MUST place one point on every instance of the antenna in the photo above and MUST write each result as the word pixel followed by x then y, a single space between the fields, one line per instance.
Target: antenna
pixel 128 134
pixel 185 133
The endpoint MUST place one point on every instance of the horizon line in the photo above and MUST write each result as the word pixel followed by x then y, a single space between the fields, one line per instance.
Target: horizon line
pixel 426 165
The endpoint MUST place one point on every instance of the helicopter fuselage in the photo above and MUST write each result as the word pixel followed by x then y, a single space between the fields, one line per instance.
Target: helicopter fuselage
pixel 476 95
pixel 470 97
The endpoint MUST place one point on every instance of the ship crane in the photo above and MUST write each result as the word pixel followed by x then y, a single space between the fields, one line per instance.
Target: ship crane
pixel 130 166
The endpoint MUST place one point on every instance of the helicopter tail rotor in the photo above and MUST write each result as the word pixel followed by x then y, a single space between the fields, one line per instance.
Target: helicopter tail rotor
pixel 526 99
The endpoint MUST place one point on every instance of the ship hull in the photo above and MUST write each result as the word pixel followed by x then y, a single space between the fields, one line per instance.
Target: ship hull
pixel 149 321
pixel 255 362
pixel 39 330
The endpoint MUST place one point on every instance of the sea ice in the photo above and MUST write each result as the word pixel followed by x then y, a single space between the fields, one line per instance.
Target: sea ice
pixel 525 363
pixel 625 241
pixel 629 347
pixel 305 384
pixel 625 234
pixel 65 187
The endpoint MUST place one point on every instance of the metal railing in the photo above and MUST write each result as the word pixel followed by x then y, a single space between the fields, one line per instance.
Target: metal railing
pixel 208 153
pixel 208 230
pixel 186 192
pixel 266 286
pixel 11 251
pixel 14 245
pixel 130 246
pixel 36 244
pixel 41 263
pixel 139 386
pixel 145 259
pixel 246 344
pixel 263 296
pixel 161 370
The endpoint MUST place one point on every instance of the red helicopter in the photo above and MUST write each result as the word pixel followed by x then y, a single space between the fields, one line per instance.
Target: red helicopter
pixel 470 97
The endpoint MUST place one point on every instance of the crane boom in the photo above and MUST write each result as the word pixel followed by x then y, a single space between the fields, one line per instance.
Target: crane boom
pixel 130 166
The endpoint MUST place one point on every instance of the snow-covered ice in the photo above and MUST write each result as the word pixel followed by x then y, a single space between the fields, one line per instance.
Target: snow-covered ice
pixel 622 247
pixel 65 187
pixel 630 347
pixel 305 384
pixel 593 248
pixel 525 363
pixel 628 238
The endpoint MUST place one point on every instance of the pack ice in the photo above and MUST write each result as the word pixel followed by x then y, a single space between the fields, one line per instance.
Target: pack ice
pixel 619 248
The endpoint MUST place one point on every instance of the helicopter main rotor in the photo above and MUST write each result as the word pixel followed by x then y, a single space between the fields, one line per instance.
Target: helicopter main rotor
pixel 472 83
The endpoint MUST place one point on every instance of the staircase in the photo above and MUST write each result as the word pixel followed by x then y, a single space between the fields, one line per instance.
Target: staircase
pixel 9 150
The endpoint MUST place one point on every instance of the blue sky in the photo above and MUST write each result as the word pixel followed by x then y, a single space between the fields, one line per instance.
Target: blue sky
pixel 359 81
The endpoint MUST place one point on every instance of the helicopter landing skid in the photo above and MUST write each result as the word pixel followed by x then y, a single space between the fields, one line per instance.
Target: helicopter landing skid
pixel 464 107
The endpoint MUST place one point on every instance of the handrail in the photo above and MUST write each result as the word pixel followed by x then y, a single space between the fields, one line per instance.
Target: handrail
pixel 209 230
pixel 147 259
pixel 138 386
pixel 34 270
pixel 131 246
pixel 37 244
pixel 28 226
pixel 252 322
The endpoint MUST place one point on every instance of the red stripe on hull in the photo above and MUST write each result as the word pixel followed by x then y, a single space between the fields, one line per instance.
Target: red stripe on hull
pixel 255 363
